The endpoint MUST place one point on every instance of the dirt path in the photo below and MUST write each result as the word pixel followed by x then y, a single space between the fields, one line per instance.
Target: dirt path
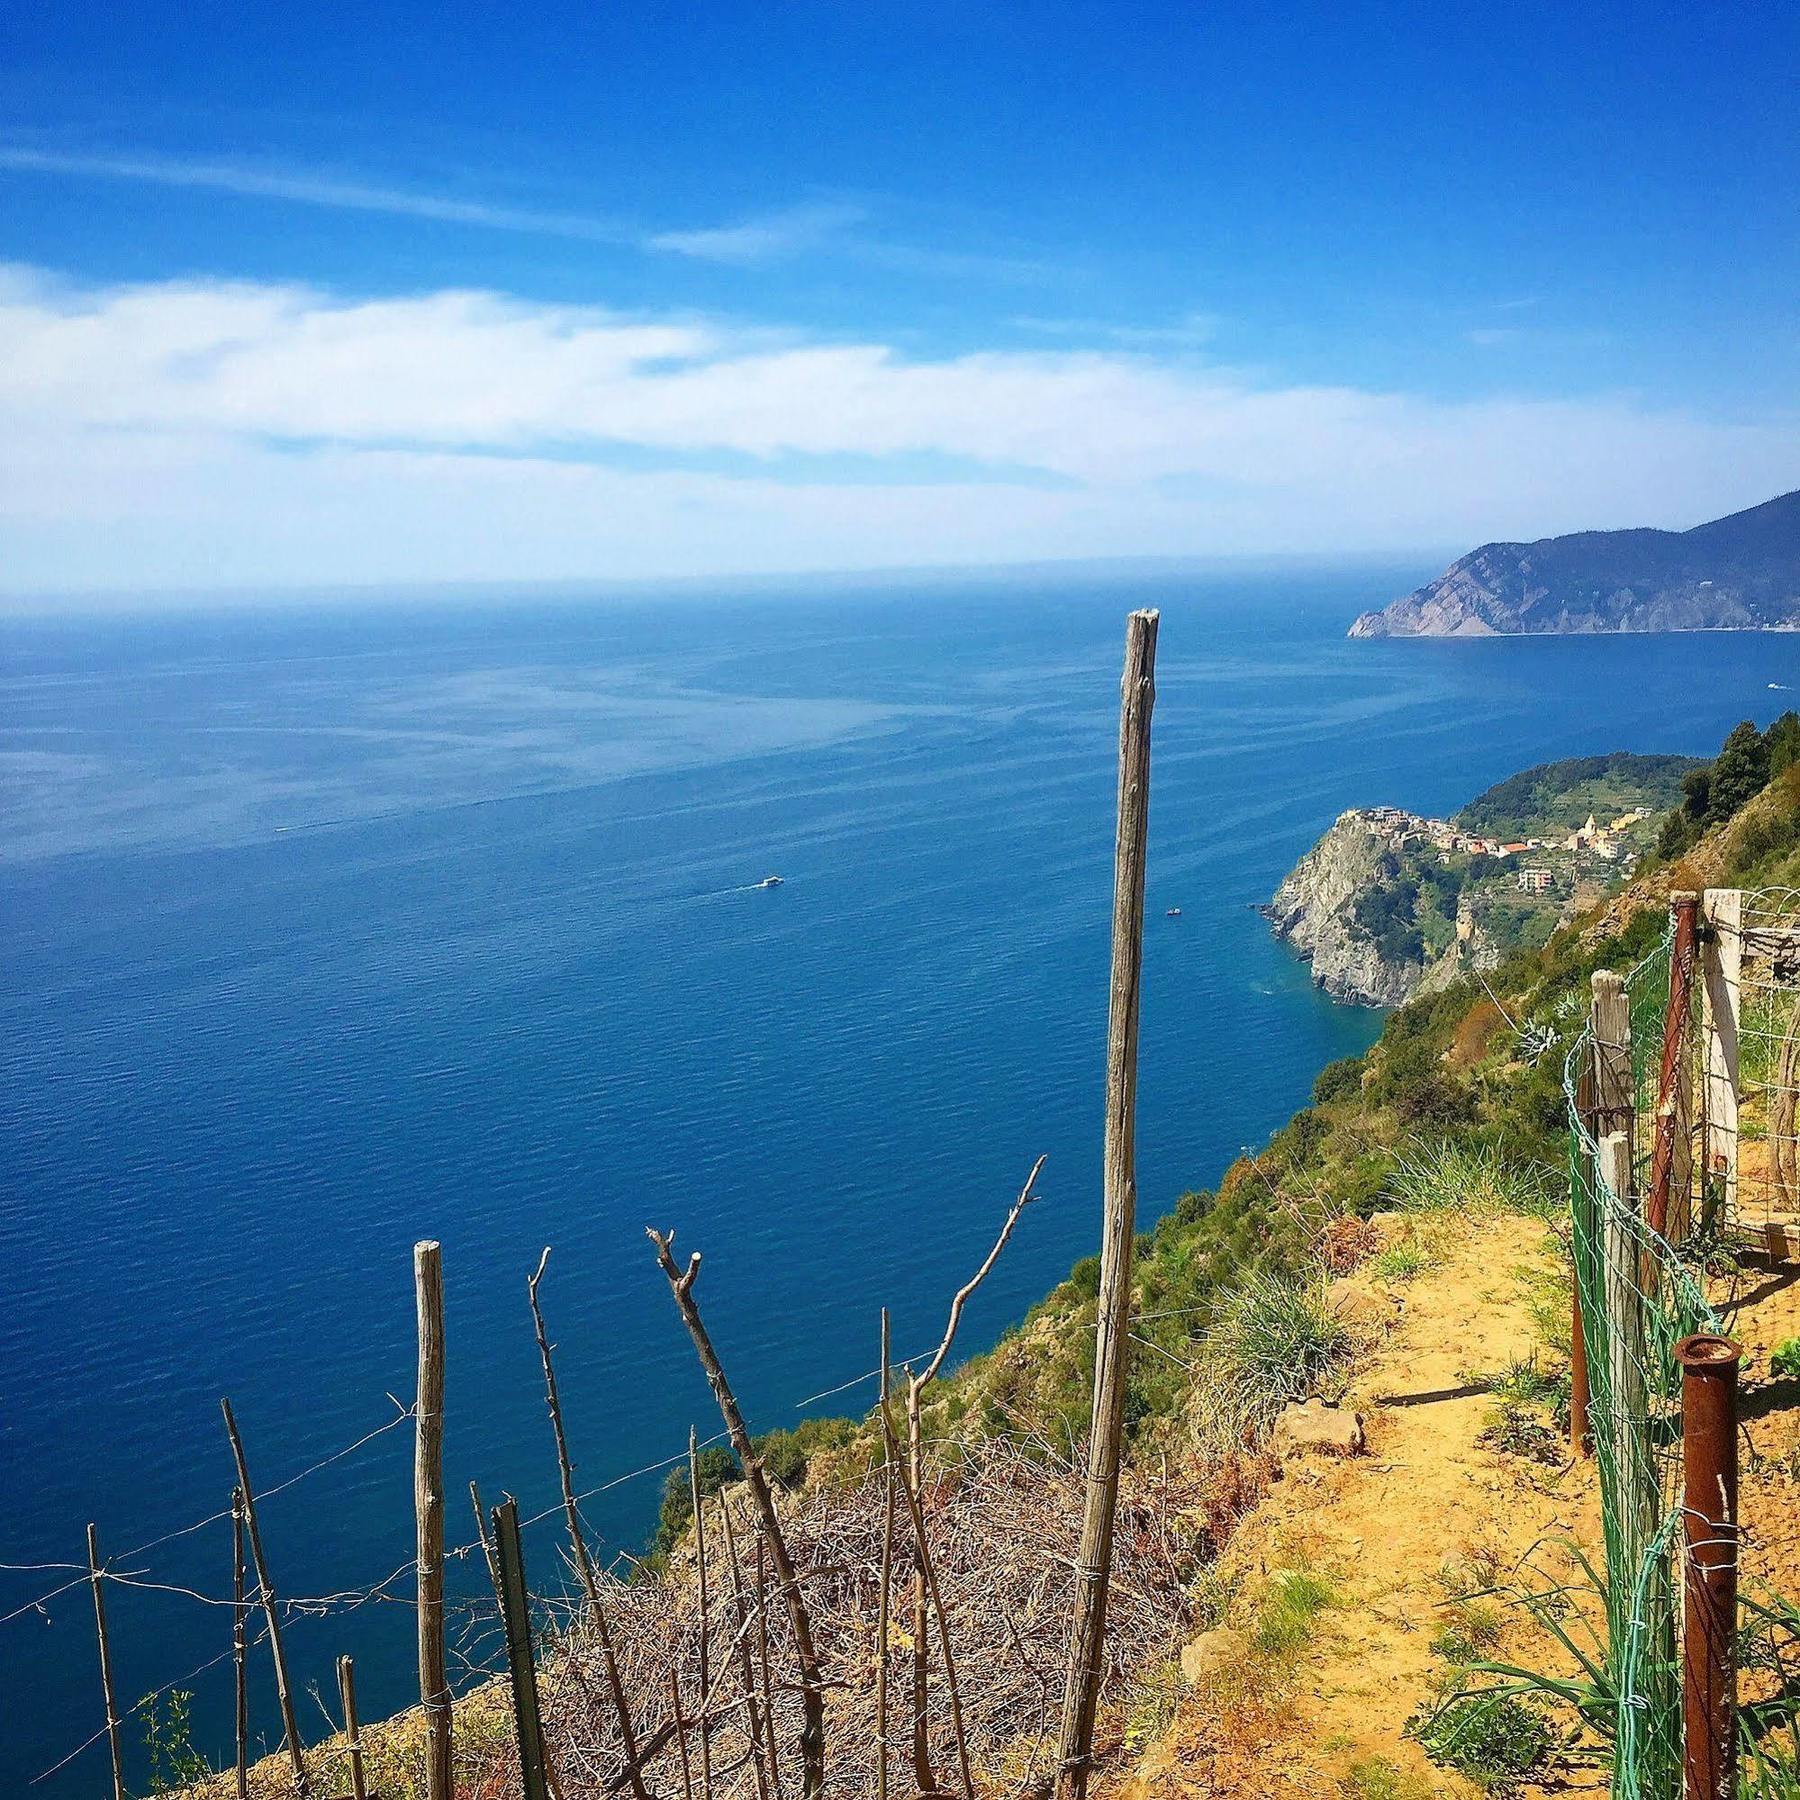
pixel 1394 1533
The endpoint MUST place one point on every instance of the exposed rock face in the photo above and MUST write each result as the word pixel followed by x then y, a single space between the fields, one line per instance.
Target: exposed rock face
pixel 1312 911
pixel 1740 573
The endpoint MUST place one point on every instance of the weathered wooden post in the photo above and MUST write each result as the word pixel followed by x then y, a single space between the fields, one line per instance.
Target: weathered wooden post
pixel 1722 955
pixel 1087 1625
pixel 95 1577
pixel 346 1674
pixel 240 1619
pixel 515 1608
pixel 1709 1461
pixel 1671 1173
pixel 428 1517
pixel 698 1501
pixel 284 1693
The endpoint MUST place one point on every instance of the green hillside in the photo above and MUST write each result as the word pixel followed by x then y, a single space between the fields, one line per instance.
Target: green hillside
pixel 1558 796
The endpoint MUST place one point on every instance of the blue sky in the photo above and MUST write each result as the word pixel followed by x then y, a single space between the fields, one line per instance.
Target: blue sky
pixel 375 293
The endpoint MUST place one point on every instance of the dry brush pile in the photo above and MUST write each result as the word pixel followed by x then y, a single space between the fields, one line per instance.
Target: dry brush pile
pixel 1002 1531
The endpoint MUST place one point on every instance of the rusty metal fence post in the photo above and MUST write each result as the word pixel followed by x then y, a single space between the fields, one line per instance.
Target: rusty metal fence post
pixel 1709 1418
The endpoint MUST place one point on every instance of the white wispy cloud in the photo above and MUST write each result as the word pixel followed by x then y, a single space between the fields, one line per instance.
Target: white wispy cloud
pixel 764 238
pixel 760 239
pixel 307 188
pixel 205 432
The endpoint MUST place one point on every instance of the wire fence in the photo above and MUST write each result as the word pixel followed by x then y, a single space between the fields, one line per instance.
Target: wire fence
pixel 1767 959
pixel 1682 1095
pixel 1638 1298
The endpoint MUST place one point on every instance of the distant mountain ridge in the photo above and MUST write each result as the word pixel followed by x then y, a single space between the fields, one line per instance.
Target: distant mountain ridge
pixel 1740 573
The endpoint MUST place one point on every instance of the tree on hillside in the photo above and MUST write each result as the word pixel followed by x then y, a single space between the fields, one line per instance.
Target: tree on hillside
pixel 1740 773
pixel 1782 740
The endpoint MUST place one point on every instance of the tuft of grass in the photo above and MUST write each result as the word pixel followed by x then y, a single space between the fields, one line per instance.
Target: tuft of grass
pixel 1402 1262
pixel 1289 1611
pixel 1784 1359
pixel 1277 1340
pixel 1471 1632
pixel 1449 1177
pixel 1377 1778
pixel 1494 1739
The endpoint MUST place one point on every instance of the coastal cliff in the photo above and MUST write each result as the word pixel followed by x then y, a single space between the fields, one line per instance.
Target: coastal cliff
pixel 1389 904
pixel 1740 573
pixel 1315 907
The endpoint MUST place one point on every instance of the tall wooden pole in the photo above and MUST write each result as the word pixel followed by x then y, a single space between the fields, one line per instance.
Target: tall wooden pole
pixel 1087 1628
pixel 240 1620
pixel 106 1668
pixel 428 1514
pixel 284 1693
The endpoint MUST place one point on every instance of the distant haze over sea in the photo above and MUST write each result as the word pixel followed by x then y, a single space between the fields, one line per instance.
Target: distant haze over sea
pixel 327 930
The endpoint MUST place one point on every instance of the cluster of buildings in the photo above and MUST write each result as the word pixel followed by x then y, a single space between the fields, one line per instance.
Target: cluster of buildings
pixel 1401 830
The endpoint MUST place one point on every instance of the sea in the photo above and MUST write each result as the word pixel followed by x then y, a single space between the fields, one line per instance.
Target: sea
pixel 329 927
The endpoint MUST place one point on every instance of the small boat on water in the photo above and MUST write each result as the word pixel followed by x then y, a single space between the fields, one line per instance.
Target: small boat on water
pixel 1174 912
pixel 770 881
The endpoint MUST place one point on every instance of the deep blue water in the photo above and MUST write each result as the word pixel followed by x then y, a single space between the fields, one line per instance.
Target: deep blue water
pixel 325 933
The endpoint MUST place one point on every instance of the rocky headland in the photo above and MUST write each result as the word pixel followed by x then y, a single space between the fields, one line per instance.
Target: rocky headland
pixel 1740 573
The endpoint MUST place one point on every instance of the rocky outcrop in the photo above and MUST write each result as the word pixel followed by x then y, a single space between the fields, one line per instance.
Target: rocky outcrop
pixel 1740 573
pixel 1313 911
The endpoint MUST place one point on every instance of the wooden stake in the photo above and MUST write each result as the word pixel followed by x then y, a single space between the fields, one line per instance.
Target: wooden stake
pixel 1087 1627
pixel 883 1605
pixel 812 1688
pixel 1670 1176
pixel 515 1610
pixel 1722 964
pixel 487 1543
pixel 937 1603
pixel 565 1469
pixel 915 1458
pixel 284 1694
pixel 687 1767
pixel 762 1652
pixel 746 1670
pixel 428 1517
pixel 346 1673
pixel 240 1619
pixel 706 1784
pixel 106 1668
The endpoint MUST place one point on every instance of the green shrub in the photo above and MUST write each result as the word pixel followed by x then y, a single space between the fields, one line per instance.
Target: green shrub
pixel 1784 1359
pixel 1277 1339
pixel 717 1468
pixel 169 1741
pixel 1493 1739
pixel 1340 1080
